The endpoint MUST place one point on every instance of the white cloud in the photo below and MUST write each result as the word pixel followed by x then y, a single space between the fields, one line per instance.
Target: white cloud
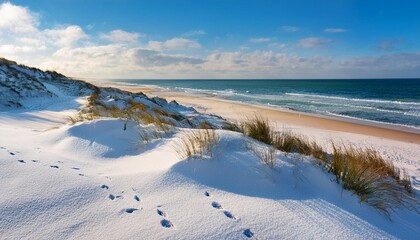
pixel 259 61
pixel 277 45
pixel 67 36
pixel 17 19
pixel 335 30
pixel 151 58
pixel 194 33
pixel 9 49
pixel 90 26
pixel 173 44
pixel 121 36
pixel 289 28
pixel 313 42
pixel 75 53
pixel 260 40
pixel 243 47
pixel 389 44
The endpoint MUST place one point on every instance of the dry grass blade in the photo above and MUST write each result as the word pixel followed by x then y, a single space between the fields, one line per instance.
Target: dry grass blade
pixel 267 155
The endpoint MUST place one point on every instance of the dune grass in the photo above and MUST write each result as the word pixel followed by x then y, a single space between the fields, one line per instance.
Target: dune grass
pixel 135 111
pixel 376 181
pixel 258 129
pixel 197 143
pixel 266 154
pixel 363 171
pixel 286 141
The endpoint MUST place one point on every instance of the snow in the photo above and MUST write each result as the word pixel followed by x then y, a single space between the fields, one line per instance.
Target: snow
pixel 93 180
pixel 297 200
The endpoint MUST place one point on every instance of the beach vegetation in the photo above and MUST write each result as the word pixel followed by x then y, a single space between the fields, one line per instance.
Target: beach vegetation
pixel 266 154
pixel 198 143
pixel 376 181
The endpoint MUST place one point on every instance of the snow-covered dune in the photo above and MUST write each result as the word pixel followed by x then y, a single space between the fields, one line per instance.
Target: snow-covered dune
pixel 92 180
pixel 96 180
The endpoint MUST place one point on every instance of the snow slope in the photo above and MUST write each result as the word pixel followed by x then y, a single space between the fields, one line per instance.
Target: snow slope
pixel 93 180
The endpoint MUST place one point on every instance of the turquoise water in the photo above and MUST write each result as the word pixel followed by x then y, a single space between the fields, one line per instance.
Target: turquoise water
pixel 395 101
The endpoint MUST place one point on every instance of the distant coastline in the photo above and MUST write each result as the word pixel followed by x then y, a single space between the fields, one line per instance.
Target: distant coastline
pixel 237 111
pixel 382 103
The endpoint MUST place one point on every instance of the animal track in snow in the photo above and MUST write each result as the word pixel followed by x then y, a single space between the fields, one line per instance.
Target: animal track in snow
pixel 60 162
pixel 137 198
pixel 130 210
pixel 35 161
pixel 114 197
pixel 104 187
pixel 161 213
pixel 21 161
pixel 207 194
pixel 216 205
pixel 54 166
pixel 75 168
pixel 166 223
pixel 248 233
pixel 81 174
pixel 11 153
pixel 229 215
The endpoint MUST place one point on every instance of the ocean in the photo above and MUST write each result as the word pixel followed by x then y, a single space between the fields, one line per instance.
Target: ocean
pixel 392 101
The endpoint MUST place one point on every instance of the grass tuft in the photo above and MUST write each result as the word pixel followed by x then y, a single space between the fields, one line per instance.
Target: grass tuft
pixel 376 181
pixel 267 155
pixel 197 143
pixel 259 129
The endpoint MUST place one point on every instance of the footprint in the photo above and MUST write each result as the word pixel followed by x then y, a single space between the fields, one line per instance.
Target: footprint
pixel 248 233
pixel 35 161
pixel 11 153
pixel 130 210
pixel 112 197
pixel 59 161
pixel 207 194
pixel 21 161
pixel 216 205
pixel 54 166
pixel 161 213
pixel 75 168
pixel 81 174
pixel 105 187
pixel 229 215
pixel 136 198
pixel 166 223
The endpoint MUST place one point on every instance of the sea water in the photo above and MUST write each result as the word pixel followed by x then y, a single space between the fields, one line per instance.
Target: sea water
pixel 392 101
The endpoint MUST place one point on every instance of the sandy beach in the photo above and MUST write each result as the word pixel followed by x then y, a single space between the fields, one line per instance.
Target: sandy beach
pixel 301 122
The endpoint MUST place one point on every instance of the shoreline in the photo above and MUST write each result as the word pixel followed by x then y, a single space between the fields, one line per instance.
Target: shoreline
pixel 238 111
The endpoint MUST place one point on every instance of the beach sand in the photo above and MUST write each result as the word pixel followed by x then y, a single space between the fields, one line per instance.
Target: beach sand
pixel 295 121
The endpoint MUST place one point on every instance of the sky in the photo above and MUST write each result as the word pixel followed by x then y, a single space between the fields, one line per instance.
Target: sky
pixel 191 39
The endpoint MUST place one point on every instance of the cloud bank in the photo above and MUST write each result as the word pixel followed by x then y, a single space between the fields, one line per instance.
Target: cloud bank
pixel 119 53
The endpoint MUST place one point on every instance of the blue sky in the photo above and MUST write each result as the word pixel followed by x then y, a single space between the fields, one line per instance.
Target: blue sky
pixel 215 39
